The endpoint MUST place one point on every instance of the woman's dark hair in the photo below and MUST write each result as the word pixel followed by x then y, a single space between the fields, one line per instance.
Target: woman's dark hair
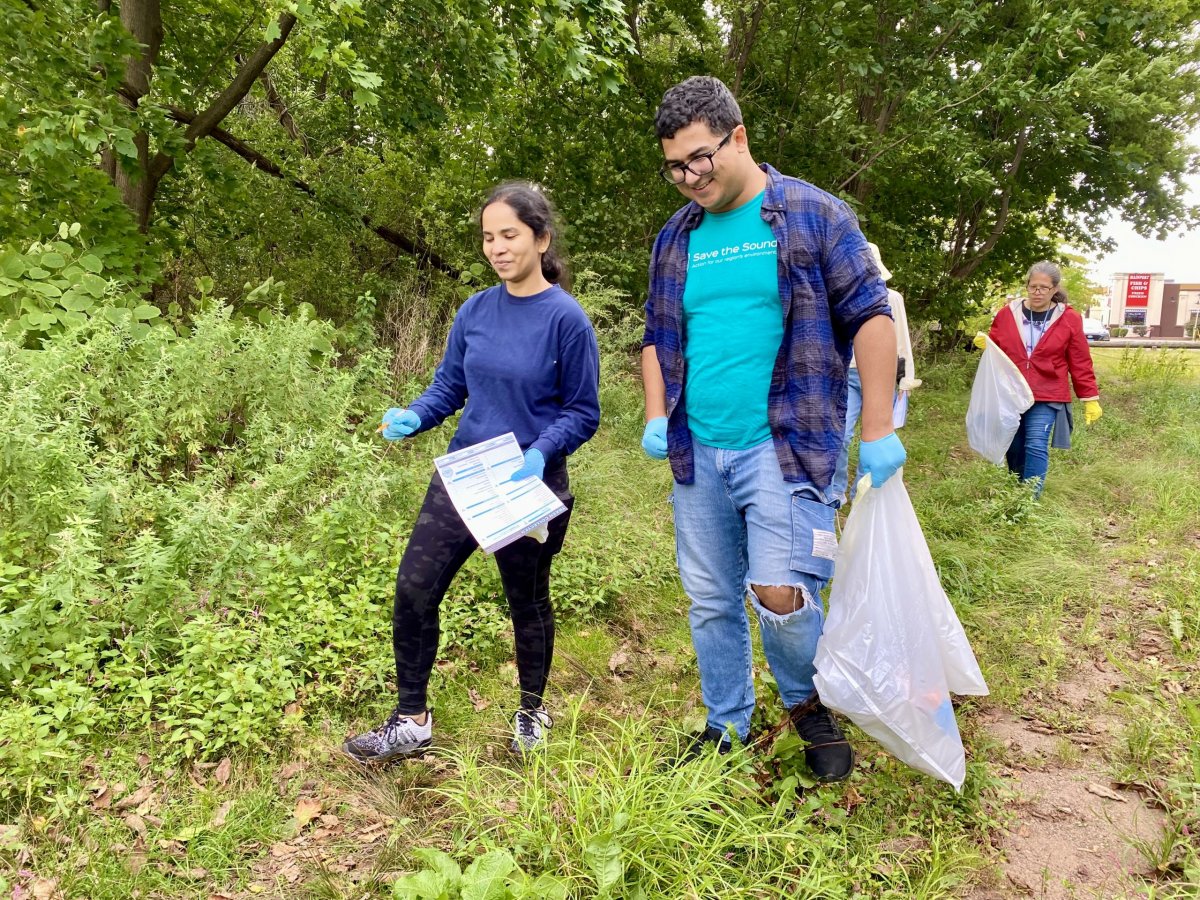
pixel 1054 273
pixel 534 208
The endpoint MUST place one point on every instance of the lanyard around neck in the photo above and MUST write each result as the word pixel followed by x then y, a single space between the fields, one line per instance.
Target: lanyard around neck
pixel 1041 323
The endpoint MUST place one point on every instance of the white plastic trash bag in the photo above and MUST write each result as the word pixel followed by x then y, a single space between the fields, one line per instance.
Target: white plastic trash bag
pixel 999 396
pixel 893 650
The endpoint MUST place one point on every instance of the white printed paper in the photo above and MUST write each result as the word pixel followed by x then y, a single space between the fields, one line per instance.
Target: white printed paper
pixel 900 409
pixel 495 510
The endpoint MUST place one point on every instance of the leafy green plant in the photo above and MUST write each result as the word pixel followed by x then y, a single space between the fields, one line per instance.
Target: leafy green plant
pixel 1163 366
pixel 492 876
pixel 59 283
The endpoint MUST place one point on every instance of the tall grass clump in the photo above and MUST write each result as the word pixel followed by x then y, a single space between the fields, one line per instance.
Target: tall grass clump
pixel 610 811
pixel 609 815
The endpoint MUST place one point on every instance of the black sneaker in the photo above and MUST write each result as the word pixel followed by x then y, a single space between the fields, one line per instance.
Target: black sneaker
pixel 707 741
pixel 529 730
pixel 397 738
pixel 827 753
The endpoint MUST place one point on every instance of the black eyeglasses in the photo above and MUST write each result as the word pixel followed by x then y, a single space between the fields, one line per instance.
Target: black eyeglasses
pixel 702 164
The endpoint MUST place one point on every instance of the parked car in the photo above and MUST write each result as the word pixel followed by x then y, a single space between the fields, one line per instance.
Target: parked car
pixel 1094 331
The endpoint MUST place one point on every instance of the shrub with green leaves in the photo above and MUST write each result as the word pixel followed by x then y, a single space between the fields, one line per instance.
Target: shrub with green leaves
pixel 199 527
pixel 162 499
pixel 60 283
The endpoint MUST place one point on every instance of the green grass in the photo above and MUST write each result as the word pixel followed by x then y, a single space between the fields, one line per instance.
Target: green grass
pixel 1107 560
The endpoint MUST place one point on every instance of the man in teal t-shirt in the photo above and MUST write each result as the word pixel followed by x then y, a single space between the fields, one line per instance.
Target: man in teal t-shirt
pixel 734 327
pixel 759 289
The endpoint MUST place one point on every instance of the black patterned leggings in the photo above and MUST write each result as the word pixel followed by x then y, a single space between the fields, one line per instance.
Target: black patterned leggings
pixel 439 545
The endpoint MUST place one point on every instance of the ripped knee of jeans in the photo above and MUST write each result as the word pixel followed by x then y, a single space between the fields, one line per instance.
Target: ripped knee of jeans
pixel 775 602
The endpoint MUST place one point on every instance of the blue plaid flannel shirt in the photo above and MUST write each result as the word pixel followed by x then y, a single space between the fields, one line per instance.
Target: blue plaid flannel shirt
pixel 828 287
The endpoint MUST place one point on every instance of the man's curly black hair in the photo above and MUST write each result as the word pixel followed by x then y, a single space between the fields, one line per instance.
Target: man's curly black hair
pixel 700 98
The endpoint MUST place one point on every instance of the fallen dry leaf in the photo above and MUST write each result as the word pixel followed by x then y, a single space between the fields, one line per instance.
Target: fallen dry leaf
pixel 137 798
pixel 371 835
pixel 135 861
pixel 282 850
pixel 293 709
pixel 103 798
pixel 477 701
pixel 329 820
pixel 306 810
pixel 1101 791
pixel 619 662
pixel 135 824
pixel 44 888
pixel 218 818
pixel 224 767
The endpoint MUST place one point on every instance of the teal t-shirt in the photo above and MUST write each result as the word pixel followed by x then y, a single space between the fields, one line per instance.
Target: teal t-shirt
pixel 734 326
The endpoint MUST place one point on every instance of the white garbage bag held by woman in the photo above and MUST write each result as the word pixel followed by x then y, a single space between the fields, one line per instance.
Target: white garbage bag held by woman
pixel 999 396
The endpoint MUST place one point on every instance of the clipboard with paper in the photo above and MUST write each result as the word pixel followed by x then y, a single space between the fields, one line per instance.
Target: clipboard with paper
pixel 495 510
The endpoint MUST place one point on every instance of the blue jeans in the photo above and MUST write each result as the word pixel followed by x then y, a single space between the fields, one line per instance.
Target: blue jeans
pixel 841 488
pixel 740 524
pixel 1029 453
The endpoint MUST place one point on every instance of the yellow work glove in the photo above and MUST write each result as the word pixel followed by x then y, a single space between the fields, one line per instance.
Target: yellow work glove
pixel 1091 411
pixel 980 340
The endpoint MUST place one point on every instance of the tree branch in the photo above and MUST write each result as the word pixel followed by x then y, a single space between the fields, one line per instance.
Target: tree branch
pixel 631 19
pixel 234 93
pixel 281 112
pixel 423 254
pixel 966 268
pixel 741 49
pixel 904 138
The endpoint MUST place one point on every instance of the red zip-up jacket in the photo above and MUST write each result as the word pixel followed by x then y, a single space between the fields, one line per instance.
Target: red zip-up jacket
pixel 1062 350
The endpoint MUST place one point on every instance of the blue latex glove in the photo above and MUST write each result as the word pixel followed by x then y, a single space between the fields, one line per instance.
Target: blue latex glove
pixel 654 438
pixel 534 465
pixel 881 458
pixel 399 423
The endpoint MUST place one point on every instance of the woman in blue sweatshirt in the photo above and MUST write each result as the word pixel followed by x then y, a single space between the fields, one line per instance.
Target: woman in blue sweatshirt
pixel 522 357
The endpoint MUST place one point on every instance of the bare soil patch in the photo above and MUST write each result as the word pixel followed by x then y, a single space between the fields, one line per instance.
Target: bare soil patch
pixel 1075 833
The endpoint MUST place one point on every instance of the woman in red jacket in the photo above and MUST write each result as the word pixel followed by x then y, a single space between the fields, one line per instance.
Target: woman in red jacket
pixel 1044 337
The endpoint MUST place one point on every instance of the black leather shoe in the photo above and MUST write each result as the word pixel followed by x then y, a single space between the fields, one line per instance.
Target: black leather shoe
pixel 827 751
pixel 709 740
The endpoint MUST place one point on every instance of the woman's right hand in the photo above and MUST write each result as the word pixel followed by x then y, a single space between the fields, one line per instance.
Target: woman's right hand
pixel 399 423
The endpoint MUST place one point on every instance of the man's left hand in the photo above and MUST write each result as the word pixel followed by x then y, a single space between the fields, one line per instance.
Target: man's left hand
pixel 881 458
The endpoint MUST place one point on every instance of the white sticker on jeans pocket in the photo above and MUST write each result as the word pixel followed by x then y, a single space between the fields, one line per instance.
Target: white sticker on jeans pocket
pixel 824 544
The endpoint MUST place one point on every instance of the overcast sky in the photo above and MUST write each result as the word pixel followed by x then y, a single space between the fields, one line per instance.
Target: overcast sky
pixel 1178 257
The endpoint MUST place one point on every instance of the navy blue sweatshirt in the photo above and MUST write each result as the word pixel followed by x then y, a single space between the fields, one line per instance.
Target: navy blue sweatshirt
pixel 529 365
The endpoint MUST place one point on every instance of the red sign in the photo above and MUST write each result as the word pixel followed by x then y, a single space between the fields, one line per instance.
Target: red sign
pixel 1137 292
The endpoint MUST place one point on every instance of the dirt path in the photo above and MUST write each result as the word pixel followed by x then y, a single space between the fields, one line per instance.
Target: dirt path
pixel 1074 833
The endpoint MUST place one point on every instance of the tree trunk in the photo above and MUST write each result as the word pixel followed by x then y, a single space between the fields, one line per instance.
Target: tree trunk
pixel 138 185
pixel 143 20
